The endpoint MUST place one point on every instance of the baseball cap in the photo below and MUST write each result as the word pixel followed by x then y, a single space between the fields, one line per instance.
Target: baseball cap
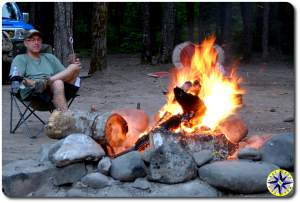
pixel 30 33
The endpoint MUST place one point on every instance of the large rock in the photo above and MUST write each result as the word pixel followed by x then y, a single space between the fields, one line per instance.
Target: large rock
pixel 280 150
pixel 96 180
pixel 75 148
pixel 237 176
pixel 194 188
pixel 23 177
pixel 68 174
pixel 170 163
pixel 19 178
pixel 128 167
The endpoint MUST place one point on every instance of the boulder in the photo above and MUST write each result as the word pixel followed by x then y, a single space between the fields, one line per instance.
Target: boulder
pixel 194 188
pixel 239 176
pixel 128 167
pixel 280 150
pixel 170 163
pixel 76 148
pixel 20 178
pixel 23 177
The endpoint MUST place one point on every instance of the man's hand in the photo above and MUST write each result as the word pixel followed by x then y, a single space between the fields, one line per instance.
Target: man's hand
pixel 73 59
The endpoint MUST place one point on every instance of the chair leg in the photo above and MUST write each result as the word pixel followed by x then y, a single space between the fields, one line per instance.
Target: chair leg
pixel 23 118
pixel 11 113
pixel 32 112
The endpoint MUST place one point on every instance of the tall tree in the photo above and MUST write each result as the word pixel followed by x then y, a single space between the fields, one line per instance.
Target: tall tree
pixel 190 20
pixel 99 29
pixel 167 32
pixel 63 30
pixel 247 11
pixel 226 21
pixel 146 52
pixel 265 31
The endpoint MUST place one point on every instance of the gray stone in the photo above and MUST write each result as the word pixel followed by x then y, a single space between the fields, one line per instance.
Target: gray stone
pixel 249 153
pixel 141 183
pixel 48 190
pixel 68 174
pixel 237 176
pixel 194 188
pixel 202 157
pixel 20 178
pixel 104 165
pixel 96 180
pixel 128 167
pixel 280 150
pixel 170 163
pixel 76 148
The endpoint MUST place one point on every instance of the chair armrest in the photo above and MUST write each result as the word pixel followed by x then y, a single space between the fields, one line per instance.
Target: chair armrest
pixel 15 86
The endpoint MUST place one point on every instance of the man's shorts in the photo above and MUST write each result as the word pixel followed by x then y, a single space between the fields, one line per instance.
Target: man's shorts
pixel 46 96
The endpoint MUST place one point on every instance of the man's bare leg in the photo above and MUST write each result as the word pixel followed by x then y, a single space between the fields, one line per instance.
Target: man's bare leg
pixel 68 75
pixel 59 100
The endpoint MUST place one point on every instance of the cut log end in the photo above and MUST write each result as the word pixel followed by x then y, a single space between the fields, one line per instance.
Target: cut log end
pixel 115 129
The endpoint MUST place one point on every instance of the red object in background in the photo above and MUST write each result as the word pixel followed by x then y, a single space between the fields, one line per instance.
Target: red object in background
pixel 186 55
pixel 160 74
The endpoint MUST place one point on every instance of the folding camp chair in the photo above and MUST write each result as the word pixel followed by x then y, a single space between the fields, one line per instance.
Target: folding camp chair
pixel 32 106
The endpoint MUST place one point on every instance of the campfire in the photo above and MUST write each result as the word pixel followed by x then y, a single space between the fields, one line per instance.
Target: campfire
pixel 201 104
pixel 200 100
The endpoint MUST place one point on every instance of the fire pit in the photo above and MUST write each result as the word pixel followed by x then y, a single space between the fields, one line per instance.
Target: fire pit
pixel 184 151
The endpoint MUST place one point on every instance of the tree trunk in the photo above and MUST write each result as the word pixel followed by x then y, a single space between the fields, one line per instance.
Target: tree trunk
pixel 99 27
pixel 32 11
pixel 146 52
pixel 265 31
pixel 167 32
pixel 63 30
pixel 201 25
pixel 248 24
pixel 190 20
pixel 226 15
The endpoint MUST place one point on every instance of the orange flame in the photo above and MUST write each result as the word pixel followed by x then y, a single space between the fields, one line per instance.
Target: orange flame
pixel 218 92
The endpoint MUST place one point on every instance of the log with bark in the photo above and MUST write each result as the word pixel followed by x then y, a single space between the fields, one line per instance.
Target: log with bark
pixel 115 131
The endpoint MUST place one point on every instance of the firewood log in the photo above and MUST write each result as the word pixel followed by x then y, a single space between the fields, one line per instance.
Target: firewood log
pixel 61 124
pixel 234 128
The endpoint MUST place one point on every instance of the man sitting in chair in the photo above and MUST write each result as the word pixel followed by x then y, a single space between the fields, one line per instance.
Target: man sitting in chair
pixel 44 75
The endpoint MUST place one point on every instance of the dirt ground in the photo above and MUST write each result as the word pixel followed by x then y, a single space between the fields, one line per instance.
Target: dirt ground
pixel 269 99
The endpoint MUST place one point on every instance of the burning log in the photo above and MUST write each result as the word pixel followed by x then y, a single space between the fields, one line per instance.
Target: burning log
pixel 123 127
pixel 189 102
pixel 234 128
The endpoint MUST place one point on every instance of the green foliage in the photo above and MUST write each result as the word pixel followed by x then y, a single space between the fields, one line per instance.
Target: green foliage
pixel 126 37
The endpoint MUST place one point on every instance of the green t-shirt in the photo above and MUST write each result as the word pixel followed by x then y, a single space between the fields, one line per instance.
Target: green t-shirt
pixel 47 65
